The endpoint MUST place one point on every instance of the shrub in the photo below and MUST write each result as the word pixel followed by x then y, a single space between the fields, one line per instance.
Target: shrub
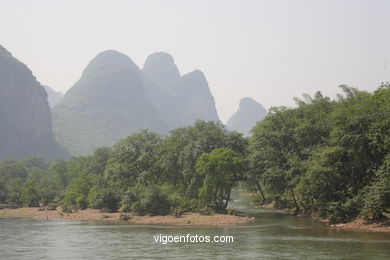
pixel 66 208
pixel 344 212
pixel 105 199
pixel 127 200
pixel 189 205
pixel 232 212
pixel 177 212
pixel 52 206
pixel 124 217
pixel 376 198
pixel 151 200
pixel 207 211
pixel 82 202
pixel 279 203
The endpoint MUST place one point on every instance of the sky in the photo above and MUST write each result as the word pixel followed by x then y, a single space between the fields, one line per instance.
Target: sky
pixel 271 50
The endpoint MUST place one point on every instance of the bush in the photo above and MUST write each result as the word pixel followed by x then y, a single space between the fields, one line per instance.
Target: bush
pixel 30 196
pixel 52 206
pixel 376 199
pixel 67 208
pixel 177 200
pixel 207 211
pixel 233 212
pixel 128 199
pixel 124 217
pixel 344 212
pixel 177 212
pixel 279 203
pixel 69 200
pixel 151 200
pixel 189 205
pixel 82 202
pixel 105 199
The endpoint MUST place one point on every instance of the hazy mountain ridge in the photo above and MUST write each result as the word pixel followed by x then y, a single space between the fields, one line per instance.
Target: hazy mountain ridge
pixel 162 70
pixel 25 120
pixel 180 100
pixel 53 97
pixel 104 106
pixel 114 98
pixel 247 115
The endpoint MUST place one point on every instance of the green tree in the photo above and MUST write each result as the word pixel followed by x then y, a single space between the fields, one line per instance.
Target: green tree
pixel 14 193
pixel 29 195
pixel 222 169
pixel 77 193
pixel 133 160
pixel 105 199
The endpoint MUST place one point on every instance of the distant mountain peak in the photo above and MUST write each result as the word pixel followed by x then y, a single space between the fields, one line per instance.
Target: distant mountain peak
pixel 109 58
pixel 197 74
pixel 195 80
pixel 249 102
pixel 106 104
pixel 161 57
pixel 4 52
pixel 160 67
pixel 26 126
pixel 246 117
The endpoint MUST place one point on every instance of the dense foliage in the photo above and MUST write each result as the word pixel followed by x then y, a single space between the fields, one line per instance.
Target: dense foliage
pixel 144 173
pixel 324 157
pixel 327 158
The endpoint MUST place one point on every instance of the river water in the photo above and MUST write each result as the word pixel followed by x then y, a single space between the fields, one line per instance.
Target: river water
pixel 273 235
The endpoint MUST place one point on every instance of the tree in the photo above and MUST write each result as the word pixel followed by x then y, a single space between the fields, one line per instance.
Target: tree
pixel 222 169
pixel 149 199
pixel 29 195
pixel 12 176
pixel 105 199
pixel 77 193
pixel 96 163
pixel 185 145
pixel 134 160
pixel 377 195
pixel 14 190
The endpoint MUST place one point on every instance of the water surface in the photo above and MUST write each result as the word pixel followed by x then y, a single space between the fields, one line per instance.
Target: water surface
pixel 273 235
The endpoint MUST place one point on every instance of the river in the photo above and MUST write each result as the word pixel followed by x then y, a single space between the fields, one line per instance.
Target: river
pixel 273 235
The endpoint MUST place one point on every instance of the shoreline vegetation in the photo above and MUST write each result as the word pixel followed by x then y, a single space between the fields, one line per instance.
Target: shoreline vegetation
pixel 189 219
pixel 324 158
pixel 358 225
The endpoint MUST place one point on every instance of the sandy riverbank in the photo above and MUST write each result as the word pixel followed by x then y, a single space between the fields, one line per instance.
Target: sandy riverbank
pixel 358 225
pixel 97 215
pixel 365 226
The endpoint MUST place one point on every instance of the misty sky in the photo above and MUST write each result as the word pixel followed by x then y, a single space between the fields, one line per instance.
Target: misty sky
pixel 270 50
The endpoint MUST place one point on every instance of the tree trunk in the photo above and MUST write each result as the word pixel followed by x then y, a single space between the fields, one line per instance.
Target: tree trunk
pixel 227 200
pixel 260 189
pixel 295 201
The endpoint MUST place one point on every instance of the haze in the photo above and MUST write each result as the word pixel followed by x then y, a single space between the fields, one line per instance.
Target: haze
pixel 271 51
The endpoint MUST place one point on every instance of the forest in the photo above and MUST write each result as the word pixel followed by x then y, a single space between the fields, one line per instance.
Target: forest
pixel 324 157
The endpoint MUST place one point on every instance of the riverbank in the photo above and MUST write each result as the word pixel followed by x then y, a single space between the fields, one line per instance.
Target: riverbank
pixel 364 226
pixel 191 219
pixel 358 225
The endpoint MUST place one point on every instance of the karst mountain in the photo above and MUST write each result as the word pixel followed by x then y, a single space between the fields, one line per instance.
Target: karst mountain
pixel 25 120
pixel 248 114
pixel 114 98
